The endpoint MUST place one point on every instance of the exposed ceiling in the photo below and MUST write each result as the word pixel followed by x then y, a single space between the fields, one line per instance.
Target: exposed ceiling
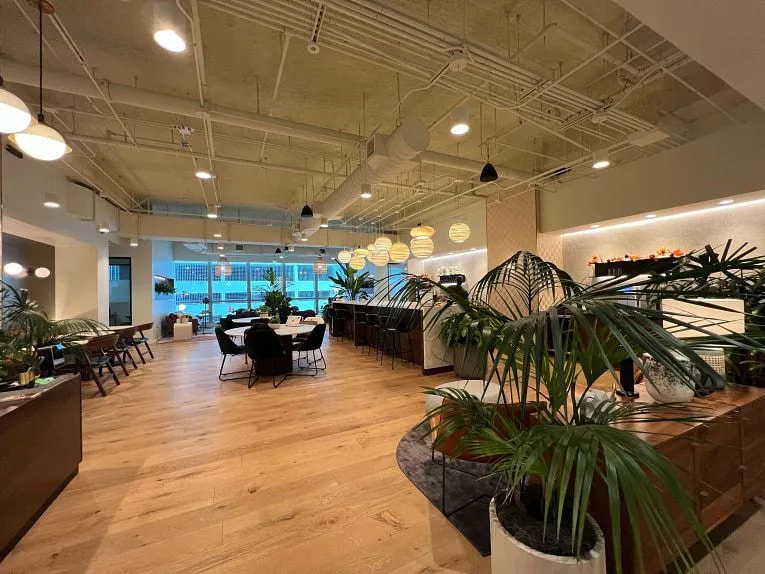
pixel 546 82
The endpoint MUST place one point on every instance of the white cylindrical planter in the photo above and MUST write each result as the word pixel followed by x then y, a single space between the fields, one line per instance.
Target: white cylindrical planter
pixel 510 556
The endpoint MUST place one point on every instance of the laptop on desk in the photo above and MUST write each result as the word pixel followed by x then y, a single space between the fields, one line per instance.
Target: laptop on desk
pixel 293 321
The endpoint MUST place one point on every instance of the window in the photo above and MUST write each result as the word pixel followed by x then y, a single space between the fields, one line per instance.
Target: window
pixel 301 285
pixel 192 285
pixel 230 292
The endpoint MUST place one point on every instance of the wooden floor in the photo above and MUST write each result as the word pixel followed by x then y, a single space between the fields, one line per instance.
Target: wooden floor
pixel 183 473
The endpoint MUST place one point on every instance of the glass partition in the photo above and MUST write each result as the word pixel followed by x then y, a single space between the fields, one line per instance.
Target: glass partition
pixel 192 284
pixel 229 288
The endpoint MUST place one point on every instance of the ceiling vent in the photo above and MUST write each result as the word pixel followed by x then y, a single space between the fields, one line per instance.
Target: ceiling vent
pixel 559 173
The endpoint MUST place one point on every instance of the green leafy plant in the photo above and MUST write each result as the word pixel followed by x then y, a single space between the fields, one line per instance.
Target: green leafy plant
pixel 163 288
pixel 264 310
pixel 351 284
pixel 274 296
pixel 26 327
pixel 548 339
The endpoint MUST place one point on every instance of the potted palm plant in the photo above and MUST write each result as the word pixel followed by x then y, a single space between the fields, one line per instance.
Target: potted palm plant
pixel 549 340
pixel 352 284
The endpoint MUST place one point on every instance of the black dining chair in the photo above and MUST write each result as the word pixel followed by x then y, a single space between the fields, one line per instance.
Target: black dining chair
pixel 310 345
pixel 228 349
pixel 264 346
pixel 227 323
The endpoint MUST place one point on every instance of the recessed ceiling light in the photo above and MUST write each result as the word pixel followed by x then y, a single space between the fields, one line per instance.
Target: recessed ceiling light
pixel 133 242
pixel 217 235
pixel 595 226
pixel 600 159
pixel 170 40
pixel 42 272
pixel 220 247
pixel 725 202
pixel 13 269
pixel 651 216
pixel 204 174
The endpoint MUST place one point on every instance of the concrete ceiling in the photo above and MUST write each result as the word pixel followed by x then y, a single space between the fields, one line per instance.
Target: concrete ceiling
pixel 539 76
pixel 724 36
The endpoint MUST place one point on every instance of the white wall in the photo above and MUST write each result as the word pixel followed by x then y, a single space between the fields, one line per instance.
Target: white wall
pixel 142 278
pixel 77 283
pixel 728 162
pixel 474 264
pixel 742 223
pixel 163 263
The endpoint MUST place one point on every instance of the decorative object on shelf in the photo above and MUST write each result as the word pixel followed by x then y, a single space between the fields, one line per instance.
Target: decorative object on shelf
pixel 662 252
pixel 399 252
pixel 357 262
pixel 678 253
pixel 14 113
pixel 320 265
pixel 379 258
pixel 39 140
pixel 459 232
pixel 361 252
pixel 593 260
pixel 422 231
pixel 664 385
pixel 352 285
pixel 383 243
pixel 422 247
pixel 344 256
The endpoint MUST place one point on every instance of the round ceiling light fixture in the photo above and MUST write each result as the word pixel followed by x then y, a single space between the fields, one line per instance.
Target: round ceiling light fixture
pixel 344 256
pixel 379 258
pixel 399 252
pixel 600 159
pixel 204 174
pixel 42 272
pixel 357 262
pixel 460 125
pixel 422 247
pixel 459 232
pixel 13 269
pixel 422 231
pixel 383 243
pixel 14 113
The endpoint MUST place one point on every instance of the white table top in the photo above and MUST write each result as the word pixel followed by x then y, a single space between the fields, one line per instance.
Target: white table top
pixel 244 320
pixel 281 331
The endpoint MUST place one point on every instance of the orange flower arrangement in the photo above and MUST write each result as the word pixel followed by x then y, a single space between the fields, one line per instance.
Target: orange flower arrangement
pixel 593 260
pixel 678 253
pixel 662 252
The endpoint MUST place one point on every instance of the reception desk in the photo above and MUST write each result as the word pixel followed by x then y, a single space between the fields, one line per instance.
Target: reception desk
pixel 427 348
pixel 41 438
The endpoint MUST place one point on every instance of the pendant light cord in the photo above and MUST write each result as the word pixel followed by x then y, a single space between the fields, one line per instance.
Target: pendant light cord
pixel 40 117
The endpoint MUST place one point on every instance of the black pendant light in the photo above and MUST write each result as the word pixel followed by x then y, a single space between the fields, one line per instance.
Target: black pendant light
pixel 307 211
pixel 278 250
pixel 489 172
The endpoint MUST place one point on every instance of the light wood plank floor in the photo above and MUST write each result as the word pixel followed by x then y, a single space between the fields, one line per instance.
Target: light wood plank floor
pixel 183 473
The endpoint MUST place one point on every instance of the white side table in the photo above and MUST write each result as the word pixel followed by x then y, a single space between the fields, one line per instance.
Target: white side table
pixel 182 331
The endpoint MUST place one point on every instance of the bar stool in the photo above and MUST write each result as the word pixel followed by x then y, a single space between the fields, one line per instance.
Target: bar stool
pixel 393 328
pixel 337 323
pixel 373 327
pixel 362 335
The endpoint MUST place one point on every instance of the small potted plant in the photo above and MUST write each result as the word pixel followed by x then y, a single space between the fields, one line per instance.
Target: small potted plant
pixel 274 323
pixel 264 311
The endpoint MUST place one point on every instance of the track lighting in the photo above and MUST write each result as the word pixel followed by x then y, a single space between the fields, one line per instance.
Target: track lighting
pixel 14 114
pixel 460 124
pixel 600 159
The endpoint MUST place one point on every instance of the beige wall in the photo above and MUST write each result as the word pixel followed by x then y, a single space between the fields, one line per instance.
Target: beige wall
pixel 511 226
pixel 77 282
pixel 742 223
pixel 728 162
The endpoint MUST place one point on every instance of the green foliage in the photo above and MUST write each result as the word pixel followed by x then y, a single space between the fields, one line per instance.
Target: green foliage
pixel 273 295
pixel 352 285
pixel 25 327
pixel 548 340
pixel 163 288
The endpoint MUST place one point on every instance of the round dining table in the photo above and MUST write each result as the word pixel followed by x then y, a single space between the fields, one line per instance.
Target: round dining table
pixel 247 320
pixel 279 366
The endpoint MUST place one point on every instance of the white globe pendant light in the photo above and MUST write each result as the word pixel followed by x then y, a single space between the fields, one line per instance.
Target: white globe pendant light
pixel 41 141
pixel 14 114
pixel 379 258
pixel 383 243
pixel 371 247
pixel 422 247
pixel 399 252
pixel 361 252
pixel 422 231
pixel 459 232
pixel 357 262
pixel 344 256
